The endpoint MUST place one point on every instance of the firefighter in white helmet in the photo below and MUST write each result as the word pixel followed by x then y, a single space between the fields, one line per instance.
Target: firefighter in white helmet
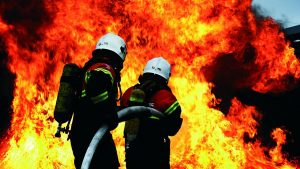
pixel 97 103
pixel 147 142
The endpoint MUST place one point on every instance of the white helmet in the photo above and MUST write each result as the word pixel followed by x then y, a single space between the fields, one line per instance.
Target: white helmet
pixel 114 43
pixel 158 66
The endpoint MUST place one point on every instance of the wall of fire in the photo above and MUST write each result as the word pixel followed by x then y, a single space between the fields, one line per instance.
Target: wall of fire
pixel 272 105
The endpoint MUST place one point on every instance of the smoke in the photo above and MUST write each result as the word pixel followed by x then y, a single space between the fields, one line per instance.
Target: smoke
pixel 235 74
pixel 28 18
pixel 6 90
pixel 231 73
pixel 261 14
pixel 234 78
pixel 279 110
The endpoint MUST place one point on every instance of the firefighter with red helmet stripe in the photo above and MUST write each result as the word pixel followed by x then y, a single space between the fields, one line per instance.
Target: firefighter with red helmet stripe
pixel 97 103
pixel 147 142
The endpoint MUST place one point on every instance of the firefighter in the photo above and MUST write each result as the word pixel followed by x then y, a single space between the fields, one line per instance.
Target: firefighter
pixel 147 143
pixel 97 103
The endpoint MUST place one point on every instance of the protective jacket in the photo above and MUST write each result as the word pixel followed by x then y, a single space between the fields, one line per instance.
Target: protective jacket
pixel 97 105
pixel 146 138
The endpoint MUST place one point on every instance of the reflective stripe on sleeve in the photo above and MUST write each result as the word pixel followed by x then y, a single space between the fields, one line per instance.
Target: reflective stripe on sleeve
pixel 154 117
pixel 99 98
pixel 83 93
pixel 172 108
pixel 106 72
pixel 169 111
pixel 87 76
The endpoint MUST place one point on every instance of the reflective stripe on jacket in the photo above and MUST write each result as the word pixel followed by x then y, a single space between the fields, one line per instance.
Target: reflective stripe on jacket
pixel 162 100
pixel 99 80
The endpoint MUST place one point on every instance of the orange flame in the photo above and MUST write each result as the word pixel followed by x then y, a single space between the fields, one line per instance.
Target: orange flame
pixel 3 27
pixel 191 35
pixel 280 138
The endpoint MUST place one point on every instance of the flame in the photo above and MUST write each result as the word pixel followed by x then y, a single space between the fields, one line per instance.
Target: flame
pixel 3 27
pixel 192 35
pixel 280 138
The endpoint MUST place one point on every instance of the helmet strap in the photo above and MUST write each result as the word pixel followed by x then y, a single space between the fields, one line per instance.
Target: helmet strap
pixel 118 80
pixel 120 91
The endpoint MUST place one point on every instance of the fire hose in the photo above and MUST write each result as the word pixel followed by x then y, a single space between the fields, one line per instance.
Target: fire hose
pixel 123 115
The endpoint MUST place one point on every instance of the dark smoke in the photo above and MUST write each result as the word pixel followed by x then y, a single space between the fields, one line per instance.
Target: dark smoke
pixel 234 79
pixel 28 21
pixel 235 74
pixel 231 73
pixel 6 91
pixel 261 14
pixel 279 110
